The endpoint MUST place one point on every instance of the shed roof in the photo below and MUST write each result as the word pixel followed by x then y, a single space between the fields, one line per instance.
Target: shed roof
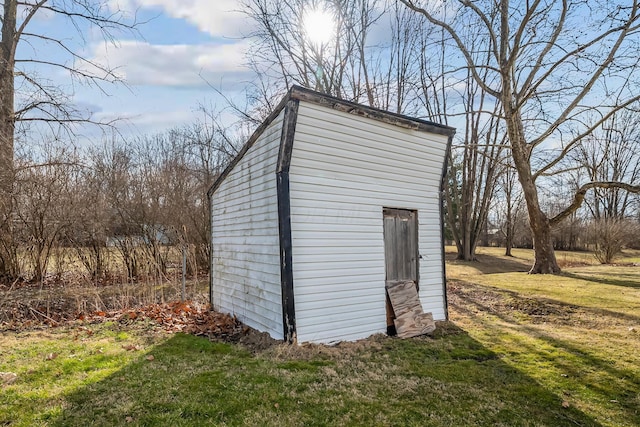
pixel 311 96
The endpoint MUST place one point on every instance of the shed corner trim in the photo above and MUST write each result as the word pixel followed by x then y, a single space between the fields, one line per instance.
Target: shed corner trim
pixel 284 219
pixel 445 167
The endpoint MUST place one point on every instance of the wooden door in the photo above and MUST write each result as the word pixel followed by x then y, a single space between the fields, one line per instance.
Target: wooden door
pixel 400 251
pixel 401 244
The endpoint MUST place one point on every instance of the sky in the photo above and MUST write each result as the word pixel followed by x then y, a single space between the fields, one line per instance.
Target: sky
pixel 181 49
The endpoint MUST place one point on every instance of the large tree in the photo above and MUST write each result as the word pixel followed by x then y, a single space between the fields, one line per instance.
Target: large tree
pixel 409 72
pixel 28 92
pixel 476 157
pixel 555 65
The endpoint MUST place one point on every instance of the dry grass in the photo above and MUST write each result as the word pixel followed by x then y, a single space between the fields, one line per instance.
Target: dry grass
pixel 56 301
pixel 492 260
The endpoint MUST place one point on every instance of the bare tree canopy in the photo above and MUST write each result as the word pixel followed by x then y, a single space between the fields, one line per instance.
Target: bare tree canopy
pixel 285 52
pixel 555 66
pixel 27 92
pixel 611 153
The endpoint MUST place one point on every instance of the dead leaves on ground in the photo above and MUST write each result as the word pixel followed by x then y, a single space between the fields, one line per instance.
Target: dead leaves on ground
pixel 178 316
pixel 132 347
pixel 8 378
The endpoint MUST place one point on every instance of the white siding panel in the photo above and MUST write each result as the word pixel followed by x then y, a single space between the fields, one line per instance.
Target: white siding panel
pixel 324 285
pixel 344 170
pixel 245 244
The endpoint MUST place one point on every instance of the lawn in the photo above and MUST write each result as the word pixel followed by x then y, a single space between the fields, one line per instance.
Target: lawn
pixel 519 350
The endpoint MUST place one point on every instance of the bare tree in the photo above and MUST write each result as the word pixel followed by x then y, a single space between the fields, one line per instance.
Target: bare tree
pixel 348 66
pixel 27 97
pixel 609 235
pixel 206 147
pixel 511 205
pixel 610 153
pixel 553 64
pixel 389 70
pixel 473 177
pixel 87 233
pixel 115 166
pixel 43 205
pixel 449 94
pixel 153 194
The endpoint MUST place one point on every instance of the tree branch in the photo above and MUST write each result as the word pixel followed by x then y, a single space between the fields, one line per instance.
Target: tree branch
pixel 590 129
pixel 549 45
pixel 582 191
pixel 624 32
pixel 453 33
pixel 20 30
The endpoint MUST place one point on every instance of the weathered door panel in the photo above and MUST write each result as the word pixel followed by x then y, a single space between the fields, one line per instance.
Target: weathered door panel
pixel 400 251
pixel 401 244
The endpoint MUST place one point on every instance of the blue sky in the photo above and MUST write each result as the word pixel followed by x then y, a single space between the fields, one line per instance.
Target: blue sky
pixel 183 46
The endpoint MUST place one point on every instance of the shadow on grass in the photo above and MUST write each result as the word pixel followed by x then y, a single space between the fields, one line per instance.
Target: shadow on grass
pixel 626 280
pixel 490 264
pixel 579 362
pixel 503 302
pixel 449 380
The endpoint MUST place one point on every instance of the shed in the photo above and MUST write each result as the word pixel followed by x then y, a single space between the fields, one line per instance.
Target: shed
pixel 326 202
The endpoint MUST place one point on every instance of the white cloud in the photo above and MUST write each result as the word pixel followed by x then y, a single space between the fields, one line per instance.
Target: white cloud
pixel 148 121
pixel 215 17
pixel 141 63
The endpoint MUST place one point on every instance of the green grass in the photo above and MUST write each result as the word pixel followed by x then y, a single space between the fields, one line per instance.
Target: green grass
pixel 52 364
pixel 576 334
pixel 450 380
pixel 520 351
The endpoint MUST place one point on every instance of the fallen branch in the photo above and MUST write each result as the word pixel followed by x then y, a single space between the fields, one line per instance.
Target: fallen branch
pixel 33 310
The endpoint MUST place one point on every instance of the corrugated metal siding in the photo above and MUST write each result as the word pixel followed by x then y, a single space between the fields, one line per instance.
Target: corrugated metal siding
pixel 245 244
pixel 344 170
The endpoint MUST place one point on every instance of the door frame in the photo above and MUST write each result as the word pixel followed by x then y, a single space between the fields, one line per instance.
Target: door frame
pixel 389 211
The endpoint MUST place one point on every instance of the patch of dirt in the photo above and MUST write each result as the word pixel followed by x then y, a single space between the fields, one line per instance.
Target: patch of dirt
pixel 474 299
pixel 312 351
pixel 256 341
pixel 444 329
pixel 340 350
pixel 8 378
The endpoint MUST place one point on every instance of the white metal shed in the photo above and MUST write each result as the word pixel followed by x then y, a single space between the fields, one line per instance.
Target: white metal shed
pixel 325 202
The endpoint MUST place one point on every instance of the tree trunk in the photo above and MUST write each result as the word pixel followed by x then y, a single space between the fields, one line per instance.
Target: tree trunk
pixel 7 119
pixel 508 242
pixel 545 257
pixel 467 253
pixel 7 126
pixel 509 246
